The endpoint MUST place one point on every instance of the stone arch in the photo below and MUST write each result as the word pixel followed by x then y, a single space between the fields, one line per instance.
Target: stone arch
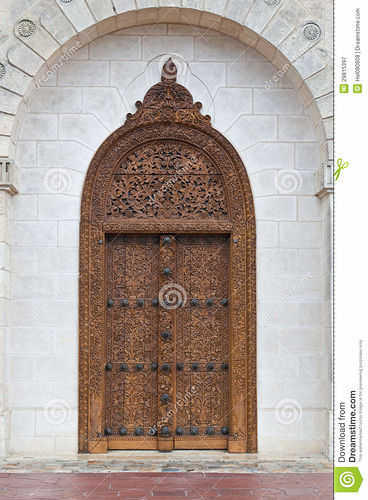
pixel 275 31
pixel 168 119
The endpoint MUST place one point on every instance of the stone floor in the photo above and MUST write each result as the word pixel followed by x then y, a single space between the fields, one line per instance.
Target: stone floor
pixel 174 461
pixel 194 475
pixel 170 485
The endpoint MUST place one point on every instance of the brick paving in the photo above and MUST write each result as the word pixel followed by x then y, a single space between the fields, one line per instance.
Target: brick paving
pixel 170 485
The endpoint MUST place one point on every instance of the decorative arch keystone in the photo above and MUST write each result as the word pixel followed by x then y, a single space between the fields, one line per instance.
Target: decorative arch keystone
pixel 167 170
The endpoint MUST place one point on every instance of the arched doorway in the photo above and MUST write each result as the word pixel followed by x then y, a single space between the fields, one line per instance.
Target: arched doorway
pixel 167 211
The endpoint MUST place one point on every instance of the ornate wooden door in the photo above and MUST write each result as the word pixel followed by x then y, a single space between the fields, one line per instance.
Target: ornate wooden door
pixel 167 342
pixel 167 212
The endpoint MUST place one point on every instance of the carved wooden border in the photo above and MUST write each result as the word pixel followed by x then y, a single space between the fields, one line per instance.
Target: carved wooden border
pixel 168 112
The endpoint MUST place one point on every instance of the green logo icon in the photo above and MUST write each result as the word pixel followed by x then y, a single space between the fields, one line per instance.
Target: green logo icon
pixel 340 166
pixel 357 88
pixel 347 479
pixel 344 88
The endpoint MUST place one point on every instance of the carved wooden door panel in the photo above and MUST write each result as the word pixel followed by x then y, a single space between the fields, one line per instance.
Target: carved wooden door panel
pixel 167 342
pixel 202 342
pixel 131 341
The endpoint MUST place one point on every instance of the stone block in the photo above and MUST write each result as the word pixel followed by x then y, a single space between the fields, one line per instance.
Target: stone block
pixel 9 102
pixel 308 395
pixel 321 83
pixel 63 154
pixel 25 59
pixel 309 64
pixel 267 234
pixel 26 154
pixel 276 31
pixel 311 367
pixel 182 46
pixel 32 445
pixel 263 183
pixel 124 5
pixel 301 287
pixel 212 74
pixel 31 340
pixel 39 127
pixel 23 259
pixel 276 261
pixel 276 208
pixel 309 208
pixel 307 156
pixel 259 15
pixel 68 233
pixel 58 207
pixel 229 105
pixel 78 14
pixel 106 104
pixel 263 156
pixel 310 314
pixel 325 105
pixel 6 124
pixel 57 100
pixel 85 129
pixel 41 42
pixel 56 181
pixel 277 313
pixel 310 260
pixel 58 25
pixel 253 55
pixel 50 368
pixel 219 49
pixel 250 74
pixel 277 102
pixel 4 256
pixel 22 368
pixel 116 48
pixel 299 341
pixel 53 311
pixel 295 129
pixel 66 445
pixel 249 130
pixel 236 10
pixel 15 80
pixel 312 425
pixel 24 207
pixel 101 10
pixel 23 423
pixel 57 419
pixel 300 234
pixel 68 286
pixel 67 340
pixel 57 260
pixel 278 426
pixel 122 74
pixel 84 73
pixel 34 233
pixel 28 286
pixel 268 288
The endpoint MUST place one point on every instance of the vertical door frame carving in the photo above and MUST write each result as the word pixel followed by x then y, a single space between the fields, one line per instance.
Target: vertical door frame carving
pixel 168 114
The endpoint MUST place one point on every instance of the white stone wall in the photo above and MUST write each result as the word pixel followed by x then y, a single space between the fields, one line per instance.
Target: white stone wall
pixel 68 118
